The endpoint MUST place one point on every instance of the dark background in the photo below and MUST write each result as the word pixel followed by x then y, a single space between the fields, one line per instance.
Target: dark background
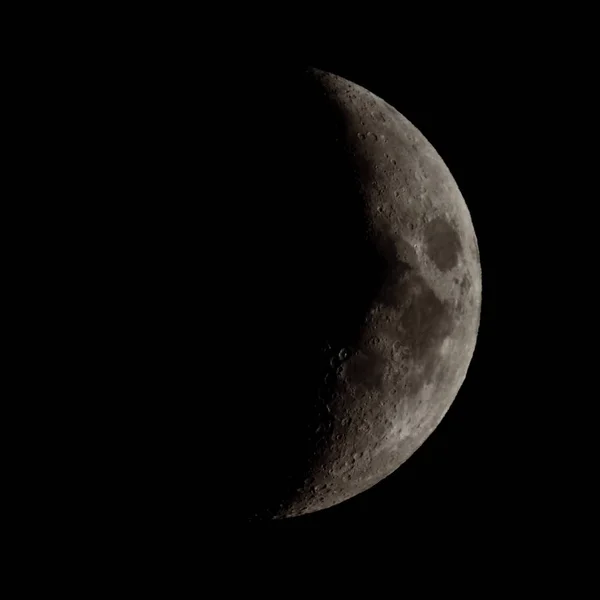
pixel 145 120
pixel 498 454
pixel 507 104
pixel 189 175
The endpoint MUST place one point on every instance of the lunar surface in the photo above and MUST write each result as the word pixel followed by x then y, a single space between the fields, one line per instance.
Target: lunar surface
pixel 392 365
pixel 309 301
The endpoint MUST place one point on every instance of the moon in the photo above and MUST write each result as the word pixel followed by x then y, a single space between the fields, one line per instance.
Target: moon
pixel 374 321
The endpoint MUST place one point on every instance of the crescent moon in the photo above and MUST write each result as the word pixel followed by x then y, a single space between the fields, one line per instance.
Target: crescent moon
pixel 386 391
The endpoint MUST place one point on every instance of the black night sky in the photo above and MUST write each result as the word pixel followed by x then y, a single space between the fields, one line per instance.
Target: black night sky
pixel 498 454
